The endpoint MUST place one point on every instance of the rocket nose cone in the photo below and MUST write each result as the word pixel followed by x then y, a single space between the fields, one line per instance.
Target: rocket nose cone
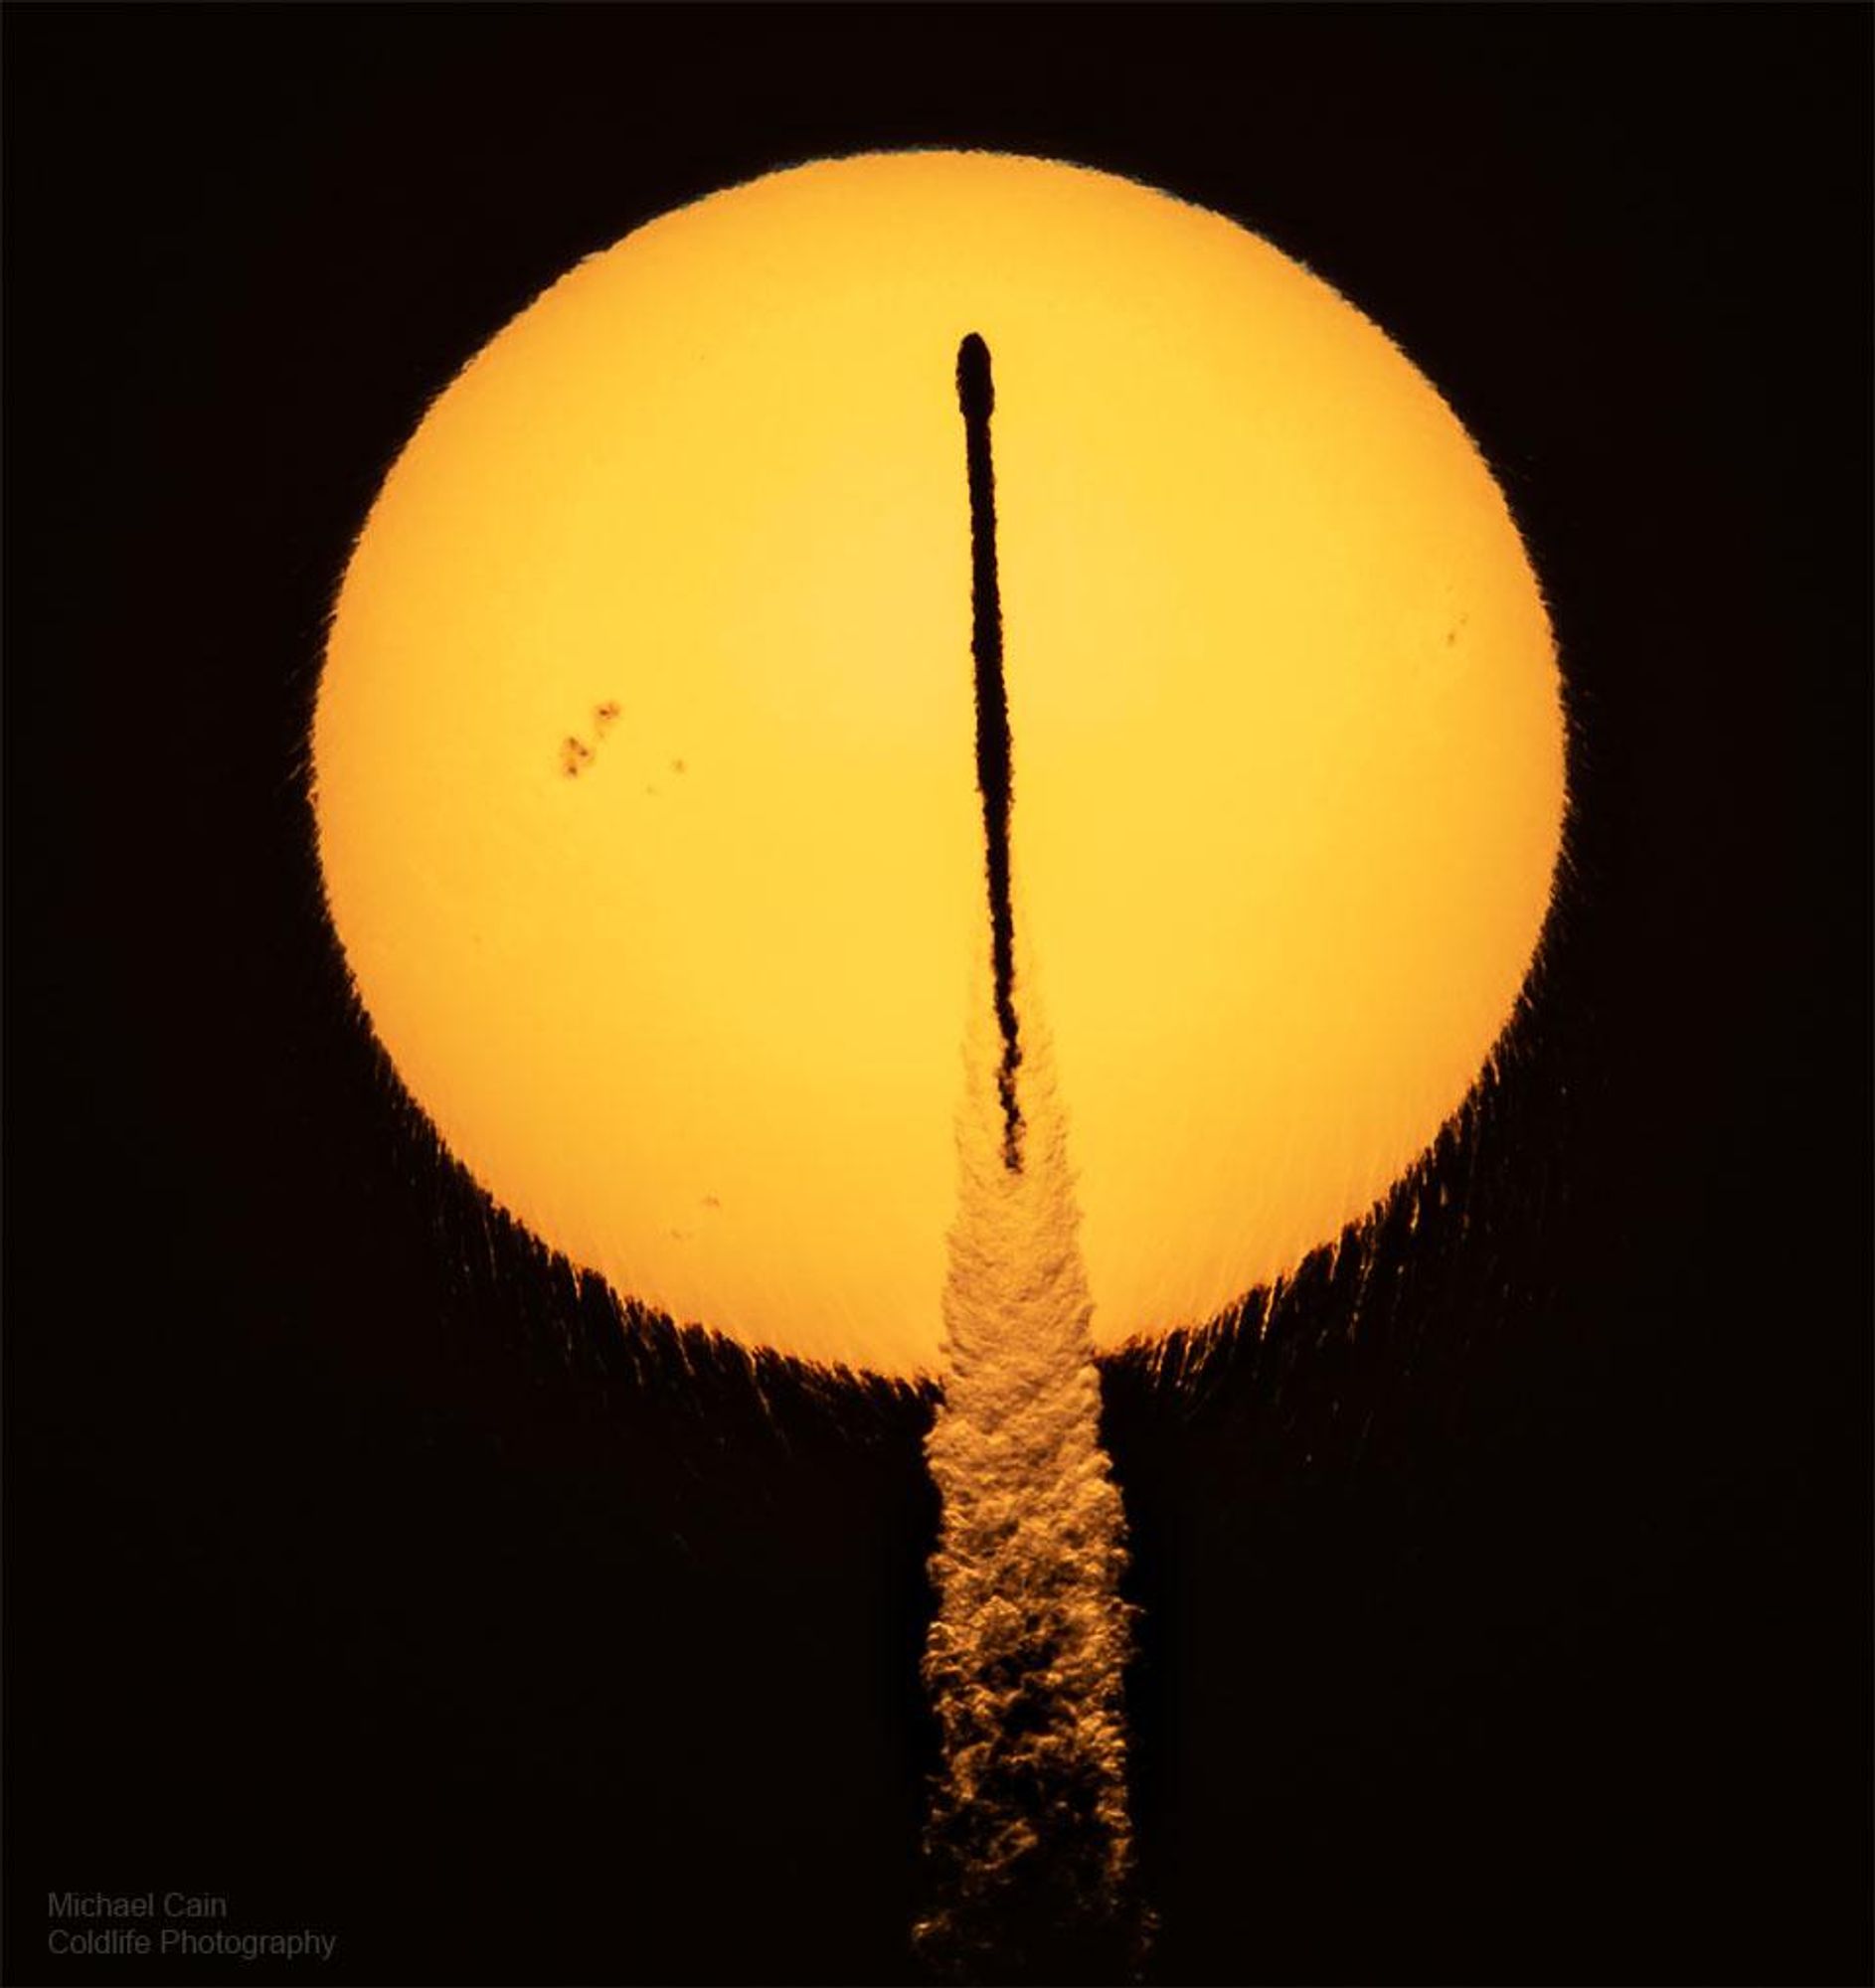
pixel 976 395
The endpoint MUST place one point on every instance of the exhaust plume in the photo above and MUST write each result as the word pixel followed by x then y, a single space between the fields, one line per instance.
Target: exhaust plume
pixel 1028 1845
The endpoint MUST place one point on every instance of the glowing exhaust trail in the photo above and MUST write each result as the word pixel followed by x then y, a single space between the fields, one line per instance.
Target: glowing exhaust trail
pixel 1028 1842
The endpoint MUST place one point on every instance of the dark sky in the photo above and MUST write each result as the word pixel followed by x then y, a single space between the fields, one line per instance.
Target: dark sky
pixel 1507 1614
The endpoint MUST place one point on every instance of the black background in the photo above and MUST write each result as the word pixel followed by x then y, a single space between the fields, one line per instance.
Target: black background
pixel 1507 1602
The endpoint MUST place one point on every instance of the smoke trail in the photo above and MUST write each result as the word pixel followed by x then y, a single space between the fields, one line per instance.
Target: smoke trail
pixel 1028 1845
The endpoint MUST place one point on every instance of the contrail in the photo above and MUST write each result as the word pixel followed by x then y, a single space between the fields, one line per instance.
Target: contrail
pixel 976 394
pixel 1028 1844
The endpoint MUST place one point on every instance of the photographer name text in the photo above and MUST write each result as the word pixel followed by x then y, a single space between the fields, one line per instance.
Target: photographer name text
pixel 192 1924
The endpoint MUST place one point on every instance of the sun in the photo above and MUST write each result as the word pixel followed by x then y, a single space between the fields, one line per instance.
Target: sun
pixel 643 768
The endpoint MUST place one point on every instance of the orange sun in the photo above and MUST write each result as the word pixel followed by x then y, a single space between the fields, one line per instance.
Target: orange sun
pixel 643 752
